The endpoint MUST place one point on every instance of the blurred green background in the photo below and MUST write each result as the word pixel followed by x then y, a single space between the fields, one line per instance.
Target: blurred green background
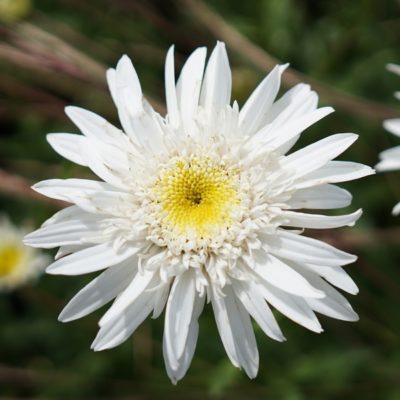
pixel 54 53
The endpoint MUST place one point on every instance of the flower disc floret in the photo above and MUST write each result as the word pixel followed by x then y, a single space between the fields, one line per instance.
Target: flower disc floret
pixel 196 196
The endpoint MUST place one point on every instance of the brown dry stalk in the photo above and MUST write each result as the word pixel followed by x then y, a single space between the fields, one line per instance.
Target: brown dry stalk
pixel 204 15
pixel 20 187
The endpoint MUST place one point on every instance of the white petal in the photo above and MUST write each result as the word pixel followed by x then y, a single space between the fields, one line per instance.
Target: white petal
pixel 320 197
pixel 278 138
pixel 236 331
pixel 316 155
pixel 336 276
pixel 260 101
pixel 124 324
pixel 133 291
pixel 128 93
pixel 252 299
pixel 294 307
pixel 92 196
pixel 160 299
pixel 334 172
pixel 65 214
pixel 170 89
pixel 112 84
pixel 334 304
pixel 137 117
pixel 99 291
pixel 289 105
pixel 91 124
pixel 96 163
pixel 279 134
pixel 64 189
pixel 295 103
pixel 69 146
pixel 63 233
pixel 279 274
pixel 179 314
pixel 188 87
pixel 69 249
pixel 333 307
pixel 175 374
pixel 316 221
pixel 92 259
pixel 396 209
pixel 304 249
pixel 224 327
pixel 217 83
pixel 392 125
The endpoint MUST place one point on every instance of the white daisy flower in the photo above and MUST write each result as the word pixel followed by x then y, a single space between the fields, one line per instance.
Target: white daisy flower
pixel 390 158
pixel 19 264
pixel 200 206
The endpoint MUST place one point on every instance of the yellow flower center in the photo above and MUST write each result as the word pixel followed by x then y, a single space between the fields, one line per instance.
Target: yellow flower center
pixel 9 259
pixel 197 195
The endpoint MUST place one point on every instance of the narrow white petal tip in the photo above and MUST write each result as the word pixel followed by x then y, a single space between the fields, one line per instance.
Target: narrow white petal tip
pixel 355 318
pixel 36 186
pixel 29 240
pixel 372 171
pixel 356 215
pixel 283 67
pixel 171 49
pixel 252 375
pixel 174 381
pixel 124 60
pixel 52 271
pixel 329 110
pixel 62 318
pixel 97 345
pixel 355 290
pixel 50 137
pixel 396 210
pixel 353 258
pixel 71 110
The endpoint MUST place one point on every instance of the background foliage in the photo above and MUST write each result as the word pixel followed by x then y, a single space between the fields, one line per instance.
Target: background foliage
pixel 55 53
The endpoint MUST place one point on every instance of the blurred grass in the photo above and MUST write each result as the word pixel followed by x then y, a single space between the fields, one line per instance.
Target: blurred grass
pixel 54 53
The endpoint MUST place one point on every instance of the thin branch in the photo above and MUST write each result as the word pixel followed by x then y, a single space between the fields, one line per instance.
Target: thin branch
pixel 20 187
pixel 32 47
pixel 262 60
pixel 352 239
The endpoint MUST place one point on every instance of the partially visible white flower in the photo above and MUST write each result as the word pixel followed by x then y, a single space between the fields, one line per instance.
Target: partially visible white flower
pixel 390 158
pixel 19 264
pixel 202 204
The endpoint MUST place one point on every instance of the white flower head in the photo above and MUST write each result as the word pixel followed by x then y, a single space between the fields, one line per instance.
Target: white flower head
pixel 200 206
pixel 390 158
pixel 19 264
